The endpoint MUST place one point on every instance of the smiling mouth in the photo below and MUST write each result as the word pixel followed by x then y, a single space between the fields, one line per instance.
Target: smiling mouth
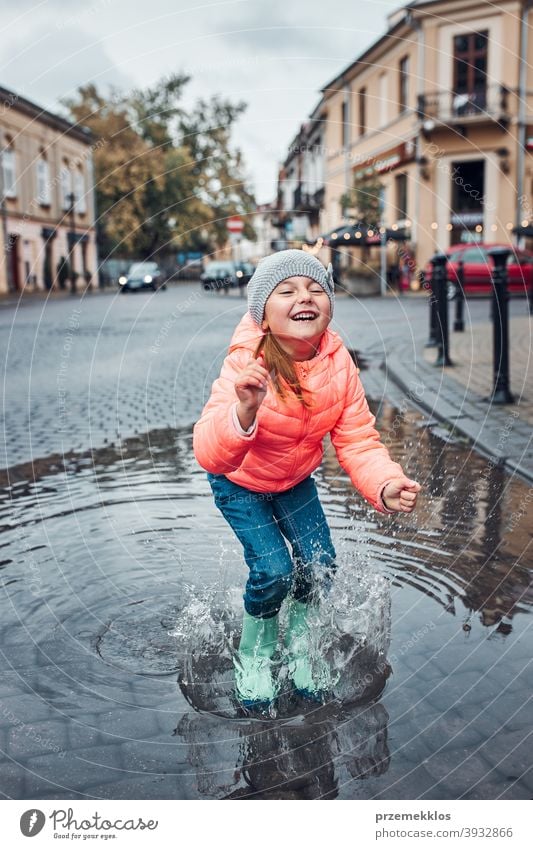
pixel 304 316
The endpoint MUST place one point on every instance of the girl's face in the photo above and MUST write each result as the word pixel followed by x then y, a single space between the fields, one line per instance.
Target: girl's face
pixel 298 310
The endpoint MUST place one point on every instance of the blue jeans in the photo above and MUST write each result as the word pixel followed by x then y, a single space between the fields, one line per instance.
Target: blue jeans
pixel 263 521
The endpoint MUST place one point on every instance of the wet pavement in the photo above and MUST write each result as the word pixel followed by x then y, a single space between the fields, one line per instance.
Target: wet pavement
pixel 122 590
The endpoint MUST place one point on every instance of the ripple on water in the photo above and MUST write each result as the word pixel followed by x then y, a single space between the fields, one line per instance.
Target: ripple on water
pixel 120 555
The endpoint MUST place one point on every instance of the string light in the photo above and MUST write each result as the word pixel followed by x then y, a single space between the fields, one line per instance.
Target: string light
pixel 434 225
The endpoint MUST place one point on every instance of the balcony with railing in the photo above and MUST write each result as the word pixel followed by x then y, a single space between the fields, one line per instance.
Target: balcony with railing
pixel 489 104
pixel 308 201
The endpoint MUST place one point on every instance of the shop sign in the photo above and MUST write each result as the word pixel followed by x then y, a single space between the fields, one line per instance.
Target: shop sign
pixel 466 219
pixel 388 161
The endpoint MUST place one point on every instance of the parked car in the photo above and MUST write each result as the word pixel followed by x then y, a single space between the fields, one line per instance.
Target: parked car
pixel 111 270
pixel 222 275
pixel 142 275
pixel 244 272
pixel 478 266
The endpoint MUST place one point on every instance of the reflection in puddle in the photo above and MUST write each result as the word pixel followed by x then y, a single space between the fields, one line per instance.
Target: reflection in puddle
pixel 122 599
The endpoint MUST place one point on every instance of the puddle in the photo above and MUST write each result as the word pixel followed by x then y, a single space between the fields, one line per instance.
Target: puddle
pixel 122 598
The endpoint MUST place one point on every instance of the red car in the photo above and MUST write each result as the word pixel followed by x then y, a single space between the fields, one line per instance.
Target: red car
pixel 478 266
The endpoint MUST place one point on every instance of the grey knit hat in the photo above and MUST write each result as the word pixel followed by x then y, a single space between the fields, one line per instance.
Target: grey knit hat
pixel 272 269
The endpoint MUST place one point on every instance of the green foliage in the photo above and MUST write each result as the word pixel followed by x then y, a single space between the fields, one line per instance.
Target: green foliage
pixel 165 177
pixel 364 199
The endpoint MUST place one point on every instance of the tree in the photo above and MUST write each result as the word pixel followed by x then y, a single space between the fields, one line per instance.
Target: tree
pixel 364 199
pixel 221 184
pixel 162 174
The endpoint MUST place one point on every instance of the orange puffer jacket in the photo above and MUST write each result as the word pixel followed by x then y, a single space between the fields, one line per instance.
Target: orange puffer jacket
pixel 286 445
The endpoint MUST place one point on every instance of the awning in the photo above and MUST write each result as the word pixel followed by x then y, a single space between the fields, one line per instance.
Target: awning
pixel 524 231
pixel 361 235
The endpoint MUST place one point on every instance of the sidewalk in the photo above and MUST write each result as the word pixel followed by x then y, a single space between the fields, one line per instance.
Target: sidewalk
pixel 456 396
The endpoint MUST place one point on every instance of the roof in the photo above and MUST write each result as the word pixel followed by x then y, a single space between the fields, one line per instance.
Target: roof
pixel 12 100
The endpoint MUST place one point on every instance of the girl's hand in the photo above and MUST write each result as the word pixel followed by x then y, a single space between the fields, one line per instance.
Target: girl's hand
pixel 251 388
pixel 400 495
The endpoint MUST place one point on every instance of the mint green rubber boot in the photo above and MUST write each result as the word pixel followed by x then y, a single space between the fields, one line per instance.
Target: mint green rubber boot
pixel 310 674
pixel 253 662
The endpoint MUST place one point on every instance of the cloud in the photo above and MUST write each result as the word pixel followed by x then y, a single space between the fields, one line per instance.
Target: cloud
pixel 274 54
pixel 52 66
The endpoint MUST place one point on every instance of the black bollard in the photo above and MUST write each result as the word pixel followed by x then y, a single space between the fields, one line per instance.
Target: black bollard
pixel 459 324
pixel 433 340
pixel 501 393
pixel 439 282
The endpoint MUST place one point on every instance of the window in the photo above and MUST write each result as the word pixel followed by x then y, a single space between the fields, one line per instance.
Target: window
pixel 345 129
pixel 362 111
pixel 9 172
pixel 383 99
pixel 403 90
pixel 474 255
pixel 66 189
pixel 470 71
pixel 79 191
pixel 401 196
pixel 43 182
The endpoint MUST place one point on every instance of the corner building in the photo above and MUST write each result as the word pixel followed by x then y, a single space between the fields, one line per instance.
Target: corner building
pixel 440 109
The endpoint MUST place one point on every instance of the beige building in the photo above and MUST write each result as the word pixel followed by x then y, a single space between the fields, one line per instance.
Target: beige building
pixel 47 199
pixel 440 111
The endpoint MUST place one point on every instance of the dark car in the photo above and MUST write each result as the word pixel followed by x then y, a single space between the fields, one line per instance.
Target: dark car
pixel 244 272
pixel 142 275
pixel 478 266
pixel 220 276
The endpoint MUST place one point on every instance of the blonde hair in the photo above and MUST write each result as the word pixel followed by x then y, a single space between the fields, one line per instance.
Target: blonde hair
pixel 281 365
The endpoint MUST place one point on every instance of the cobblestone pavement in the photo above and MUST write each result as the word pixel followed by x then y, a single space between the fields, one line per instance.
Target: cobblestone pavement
pixel 107 524
pixel 86 372
pixel 81 373
pixel 458 396
pixel 471 353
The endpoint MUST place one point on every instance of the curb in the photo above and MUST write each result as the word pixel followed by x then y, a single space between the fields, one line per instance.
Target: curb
pixel 499 434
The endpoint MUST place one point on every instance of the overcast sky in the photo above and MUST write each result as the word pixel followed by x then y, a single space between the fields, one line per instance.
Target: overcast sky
pixel 273 54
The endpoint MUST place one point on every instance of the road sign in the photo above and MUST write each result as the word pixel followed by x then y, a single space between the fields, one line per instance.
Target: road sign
pixel 235 224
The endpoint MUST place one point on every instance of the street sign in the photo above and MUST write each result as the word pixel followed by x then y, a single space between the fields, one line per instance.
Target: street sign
pixel 235 224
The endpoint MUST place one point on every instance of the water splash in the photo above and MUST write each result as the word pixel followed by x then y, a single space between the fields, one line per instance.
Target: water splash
pixel 349 629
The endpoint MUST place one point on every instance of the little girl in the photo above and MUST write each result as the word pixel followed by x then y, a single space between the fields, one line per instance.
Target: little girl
pixel 287 382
